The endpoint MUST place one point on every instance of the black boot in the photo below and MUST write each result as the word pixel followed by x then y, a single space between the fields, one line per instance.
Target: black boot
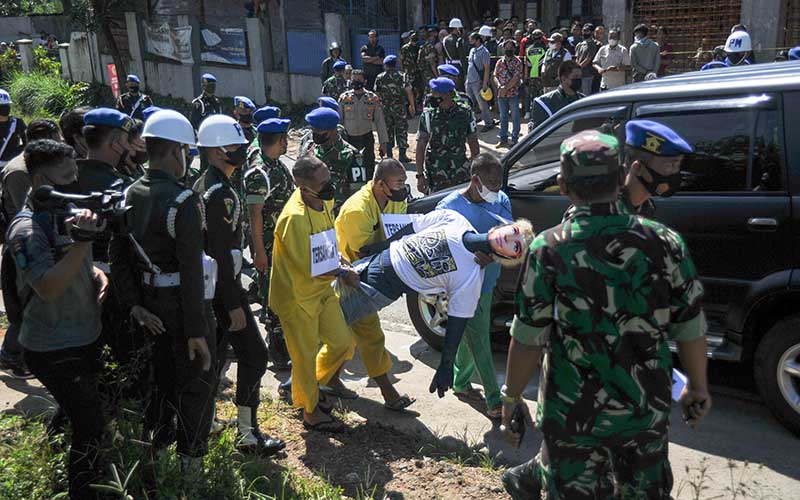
pixel 522 482
pixel 389 152
pixel 277 346
pixel 403 158
pixel 251 441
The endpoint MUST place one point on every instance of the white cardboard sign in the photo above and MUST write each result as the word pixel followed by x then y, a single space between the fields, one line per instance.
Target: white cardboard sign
pixel 324 252
pixel 395 222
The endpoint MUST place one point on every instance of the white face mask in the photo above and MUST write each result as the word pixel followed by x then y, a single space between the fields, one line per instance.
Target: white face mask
pixel 613 42
pixel 552 46
pixel 488 195
pixel 638 38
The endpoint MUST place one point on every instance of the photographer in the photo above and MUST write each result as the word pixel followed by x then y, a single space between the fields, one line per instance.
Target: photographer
pixel 60 293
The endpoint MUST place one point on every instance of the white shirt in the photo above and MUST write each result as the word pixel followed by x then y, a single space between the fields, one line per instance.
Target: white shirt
pixel 434 260
pixel 609 56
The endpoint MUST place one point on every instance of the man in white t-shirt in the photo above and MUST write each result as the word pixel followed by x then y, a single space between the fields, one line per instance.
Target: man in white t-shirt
pixel 440 252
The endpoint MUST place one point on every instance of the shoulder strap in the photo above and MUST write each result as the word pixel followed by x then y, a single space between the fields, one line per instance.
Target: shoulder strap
pixel 263 173
pixel 136 105
pixel 236 207
pixel 544 106
pixel 172 213
pixel 12 127
pixel 202 105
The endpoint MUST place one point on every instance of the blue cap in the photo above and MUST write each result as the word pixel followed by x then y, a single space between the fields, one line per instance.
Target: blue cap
pixel 108 117
pixel 448 69
pixel 713 65
pixel 655 138
pixel 208 77
pixel 266 113
pixel 443 85
pixel 339 64
pixel 133 78
pixel 146 112
pixel 323 118
pixel 794 53
pixel 274 126
pixel 390 59
pixel 243 102
pixel 328 102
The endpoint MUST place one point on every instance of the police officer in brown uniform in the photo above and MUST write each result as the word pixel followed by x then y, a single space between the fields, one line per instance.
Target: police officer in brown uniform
pixel 361 111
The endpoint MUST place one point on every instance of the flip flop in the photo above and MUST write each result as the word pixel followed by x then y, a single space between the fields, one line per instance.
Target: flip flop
pixel 471 394
pixel 333 426
pixel 343 393
pixel 400 403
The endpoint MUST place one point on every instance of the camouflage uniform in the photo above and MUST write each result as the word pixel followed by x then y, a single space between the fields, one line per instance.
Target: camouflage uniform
pixel 622 285
pixel 334 87
pixel 340 158
pixel 391 88
pixel 409 61
pixel 427 56
pixel 447 131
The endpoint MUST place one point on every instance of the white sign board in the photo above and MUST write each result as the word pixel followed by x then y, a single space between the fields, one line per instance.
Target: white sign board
pixel 168 42
pixel 324 252
pixel 395 222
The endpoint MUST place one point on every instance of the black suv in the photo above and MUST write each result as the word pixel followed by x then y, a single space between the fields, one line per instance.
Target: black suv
pixel 738 209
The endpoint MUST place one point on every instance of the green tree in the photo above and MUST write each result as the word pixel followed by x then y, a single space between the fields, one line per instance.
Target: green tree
pixel 93 16
pixel 31 7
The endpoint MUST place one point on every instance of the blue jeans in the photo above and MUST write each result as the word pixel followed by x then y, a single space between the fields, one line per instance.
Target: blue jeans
pixel 504 103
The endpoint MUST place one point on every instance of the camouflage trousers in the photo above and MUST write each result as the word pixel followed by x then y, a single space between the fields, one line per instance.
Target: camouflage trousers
pixel 587 468
pixel 443 173
pixel 397 127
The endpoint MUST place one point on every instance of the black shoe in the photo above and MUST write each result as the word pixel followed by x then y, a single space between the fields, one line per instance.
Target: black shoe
pixel 488 127
pixel 277 349
pixel 389 153
pixel 403 158
pixel 285 391
pixel 522 482
pixel 14 366
pixel 263 446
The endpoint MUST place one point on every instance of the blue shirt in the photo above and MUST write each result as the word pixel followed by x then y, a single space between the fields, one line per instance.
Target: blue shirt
pixel 479 215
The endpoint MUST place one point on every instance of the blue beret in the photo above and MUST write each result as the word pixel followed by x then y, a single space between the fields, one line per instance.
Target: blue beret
pixel 108 117
pixel 655 138
pixel 193 151
pixel 390 59
pixel 794 53
pixel 274 126
pixel 323 118
pixel 133 78
pixel 448 69
pixel 266 113
pixel 443 85
pixel 243 102
pixel 146 112
pixel 328 102
pixel 339 64
pixel 208 77
pixel 713 65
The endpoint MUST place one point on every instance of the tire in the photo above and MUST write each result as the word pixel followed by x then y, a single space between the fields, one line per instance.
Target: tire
pixel 421 313
pixel 777 371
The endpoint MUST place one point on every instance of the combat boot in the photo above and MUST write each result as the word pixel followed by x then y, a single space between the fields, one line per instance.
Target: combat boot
pixel 277 348
pixel 403 158
pixel 389 153
pixel 251 441
pixel 522 482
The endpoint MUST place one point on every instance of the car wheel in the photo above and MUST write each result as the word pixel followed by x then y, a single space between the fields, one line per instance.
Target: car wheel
pixel 429 316
pixel 777 371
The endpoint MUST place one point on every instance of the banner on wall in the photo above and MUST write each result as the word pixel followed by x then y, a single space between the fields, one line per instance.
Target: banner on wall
pixel 170 43
pixel 223 45
pixel 111 68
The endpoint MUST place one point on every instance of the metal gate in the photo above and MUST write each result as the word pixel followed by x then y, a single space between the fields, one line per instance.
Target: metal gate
pixel 791 37
pixel 688 22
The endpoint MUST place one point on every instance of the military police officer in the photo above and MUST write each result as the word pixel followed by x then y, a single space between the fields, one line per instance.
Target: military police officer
pixel 243 109
pixel 409 55
pixel 343 160
pixel 394 89
pixel 12 131
pixel 268 184
pixel 207 103
pixel 445 128
pixel 361 111
pixel 336 85
pixel 133 102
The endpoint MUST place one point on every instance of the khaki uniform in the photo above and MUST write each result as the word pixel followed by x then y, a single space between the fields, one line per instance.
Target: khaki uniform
pixel 360 114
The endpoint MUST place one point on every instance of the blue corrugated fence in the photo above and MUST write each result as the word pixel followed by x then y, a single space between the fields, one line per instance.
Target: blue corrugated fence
pixel 307 50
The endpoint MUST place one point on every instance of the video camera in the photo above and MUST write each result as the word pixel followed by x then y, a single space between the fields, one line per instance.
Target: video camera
pixel 106 205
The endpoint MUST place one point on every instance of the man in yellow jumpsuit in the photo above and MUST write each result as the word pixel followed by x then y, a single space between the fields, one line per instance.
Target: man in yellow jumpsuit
pixel 360 223
pixel 306 305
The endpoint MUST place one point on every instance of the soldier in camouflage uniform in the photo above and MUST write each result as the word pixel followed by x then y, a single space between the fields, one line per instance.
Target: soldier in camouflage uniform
pixel 445 128
pixel 268 184
pixel 341 158
pixel 427 60
pixel 336 85
pixel 409 56
pixel 622 286
pixel 394 89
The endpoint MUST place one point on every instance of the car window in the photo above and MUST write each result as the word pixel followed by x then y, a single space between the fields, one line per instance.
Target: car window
pixel 734 150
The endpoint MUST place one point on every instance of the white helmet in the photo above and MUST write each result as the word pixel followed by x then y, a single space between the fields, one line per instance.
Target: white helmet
pixel 456 23
pixel 170 125
pixel 738 41
pixel 485 31
pixel 4 97
pixel 220 130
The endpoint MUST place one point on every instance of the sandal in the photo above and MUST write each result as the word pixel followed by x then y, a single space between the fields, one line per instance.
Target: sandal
pixel 495 413
pixel 400 403
pixel 341 393
pixel 333 426
pixel 471 394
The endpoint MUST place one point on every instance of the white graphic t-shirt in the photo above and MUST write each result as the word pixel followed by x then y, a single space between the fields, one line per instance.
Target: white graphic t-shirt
pixel 434 260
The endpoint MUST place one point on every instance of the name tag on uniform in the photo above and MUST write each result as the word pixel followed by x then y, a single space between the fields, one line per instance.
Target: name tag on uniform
pixel 324 252
pixel 395 222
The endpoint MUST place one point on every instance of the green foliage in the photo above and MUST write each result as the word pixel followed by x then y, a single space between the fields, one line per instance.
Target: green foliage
pixel 9 62
pixel 30 7
pixel 43 95
pixel 32 466
pixel 44 63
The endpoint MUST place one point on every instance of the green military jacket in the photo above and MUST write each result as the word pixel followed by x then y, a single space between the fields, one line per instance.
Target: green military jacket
pixel 341 158
pixel 334 87
pixel 604 291
pixel 427 57
pixel 391 88
pixel 550 103
pixel 447 132
pixel 409 55
pixel 267 181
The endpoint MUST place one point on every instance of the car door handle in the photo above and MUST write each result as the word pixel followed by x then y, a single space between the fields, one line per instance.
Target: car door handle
pixel 762 224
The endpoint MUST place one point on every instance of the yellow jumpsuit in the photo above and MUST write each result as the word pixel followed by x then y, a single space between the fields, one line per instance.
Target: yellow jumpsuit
pixel 358 224
pixel 307 307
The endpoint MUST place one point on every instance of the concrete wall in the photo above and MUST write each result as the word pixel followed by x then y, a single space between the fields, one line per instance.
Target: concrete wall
pixel 169 79
pixel 80 57
pixel 230 81
pixel 278 86
pixel 304 88
pixel 765 20
pixel 616 15
pixel 14 28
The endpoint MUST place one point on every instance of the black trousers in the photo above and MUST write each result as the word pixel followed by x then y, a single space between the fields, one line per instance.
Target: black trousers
pixel 367 143
pixel 181 405
pixel 251 352
pixel 71 376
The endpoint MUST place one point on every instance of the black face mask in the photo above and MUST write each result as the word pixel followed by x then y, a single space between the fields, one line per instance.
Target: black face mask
pixel 673 181
pixel 246 119
pixel 237 157
pixel 435 101
pixel 357 85
pixel 210 88
pixel 319 138
pixel 327 192
pixel 5 110
pixel 398 194
pixel 575 84
pixel 509 52
pixel 140 157
pixel 134 89
pixel 587 36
